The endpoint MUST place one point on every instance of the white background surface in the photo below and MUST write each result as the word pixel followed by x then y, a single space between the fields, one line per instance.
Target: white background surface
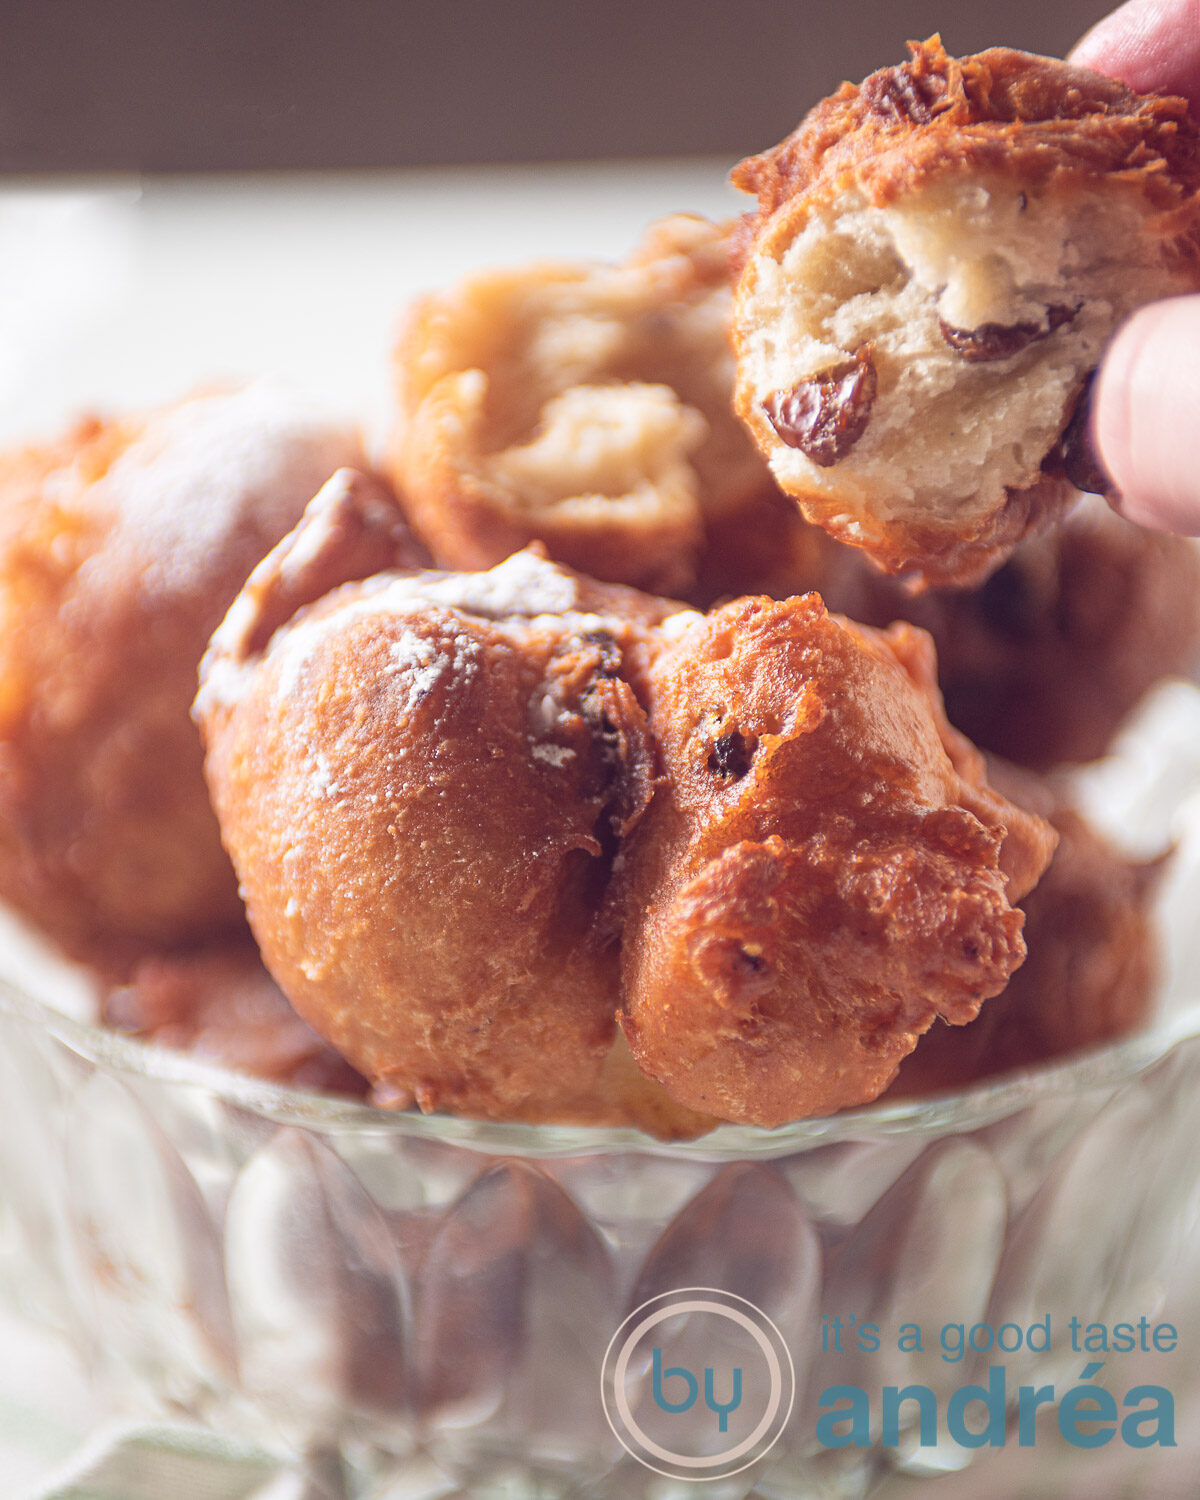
pixel 128 294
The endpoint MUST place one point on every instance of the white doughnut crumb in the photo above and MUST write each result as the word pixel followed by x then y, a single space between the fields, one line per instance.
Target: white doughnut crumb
pixel 586 406
pixel 598 449
pixel 1028 287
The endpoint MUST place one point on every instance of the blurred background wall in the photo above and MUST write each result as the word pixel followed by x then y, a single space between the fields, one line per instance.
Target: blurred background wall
pixel 225 85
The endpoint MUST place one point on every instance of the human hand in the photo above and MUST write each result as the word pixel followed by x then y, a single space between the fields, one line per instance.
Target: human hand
pixel 1146 400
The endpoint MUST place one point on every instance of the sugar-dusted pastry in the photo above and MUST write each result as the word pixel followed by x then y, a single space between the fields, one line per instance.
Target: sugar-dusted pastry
pixel 823 871
pixel 585 406
pixel 938 257
pixel 1043 661
pixel 475 815
pixel 121 546
pixel 423 780
pixel 1090 974
pixel 220 1005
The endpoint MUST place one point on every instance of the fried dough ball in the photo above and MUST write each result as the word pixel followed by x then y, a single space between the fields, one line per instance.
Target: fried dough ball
pixel 1090 975
pixel 1043 662
pixel 823 871
pixel 939 256
pixel 422 779
pixel 451 813
pixel 220 1005
pixel 587 407
pixel 121 546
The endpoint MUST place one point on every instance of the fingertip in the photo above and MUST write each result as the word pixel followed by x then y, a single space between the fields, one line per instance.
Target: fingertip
pixel 1151 45
pixel 1095 47
pixel 1146 415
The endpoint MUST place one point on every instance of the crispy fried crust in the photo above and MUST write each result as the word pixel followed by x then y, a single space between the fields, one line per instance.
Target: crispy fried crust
pixel 1042 662
pixel 423 779
pixel 823 870
pixel 1013 113
pixel 936 148
pixel 456 800
pixel 1091 972
pixel 120 548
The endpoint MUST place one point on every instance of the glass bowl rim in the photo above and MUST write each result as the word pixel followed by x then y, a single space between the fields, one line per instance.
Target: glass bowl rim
pixel 970 1108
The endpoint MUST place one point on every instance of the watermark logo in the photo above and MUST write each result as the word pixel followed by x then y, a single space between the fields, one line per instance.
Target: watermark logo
pixel 698 1384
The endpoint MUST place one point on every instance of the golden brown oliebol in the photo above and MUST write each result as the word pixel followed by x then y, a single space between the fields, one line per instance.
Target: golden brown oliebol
pixel 121 546
pixel 588 406
pixel 484 821
pixel 938 258
pixel 823 869
pixel 1040 662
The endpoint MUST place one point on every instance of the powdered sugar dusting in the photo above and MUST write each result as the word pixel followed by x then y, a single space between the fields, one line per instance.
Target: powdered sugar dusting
pixel 676 626
pixel 526 585
pixel 525 592
pixel 545 713
pixel 422 662
pixel 520 592
pixel 426 663
pixel 320 779
pixel 214 464
pixel 225 683
pixel 553 755
pixel 291 650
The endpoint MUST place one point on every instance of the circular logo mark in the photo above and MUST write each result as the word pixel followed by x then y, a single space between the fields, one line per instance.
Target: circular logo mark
pixel 698 1384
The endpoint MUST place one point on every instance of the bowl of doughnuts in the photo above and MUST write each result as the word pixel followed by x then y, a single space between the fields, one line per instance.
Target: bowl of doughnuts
pixel 708 799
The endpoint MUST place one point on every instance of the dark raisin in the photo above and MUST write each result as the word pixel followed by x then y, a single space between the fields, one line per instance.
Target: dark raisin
pixel 731 755
pixel 605 733
pixel 898 94
pixel 609 664
pixel 1002 340
pixel 826 415
pixel 1076 458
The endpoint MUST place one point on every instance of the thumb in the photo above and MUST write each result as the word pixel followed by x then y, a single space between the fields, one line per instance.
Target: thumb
pixel 1148 44
pixel 1146 415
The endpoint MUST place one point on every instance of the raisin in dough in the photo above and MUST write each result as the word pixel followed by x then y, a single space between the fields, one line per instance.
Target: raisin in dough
pixel 938 258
